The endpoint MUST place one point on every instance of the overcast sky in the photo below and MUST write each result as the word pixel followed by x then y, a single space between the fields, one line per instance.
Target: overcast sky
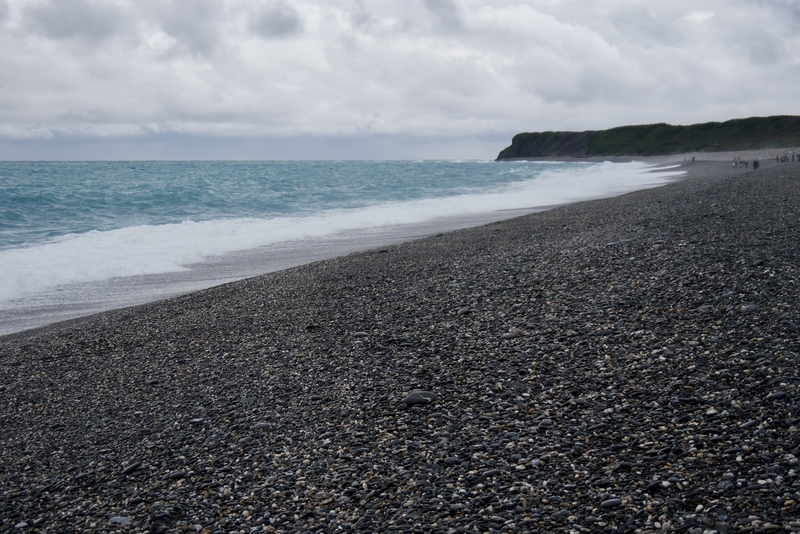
pixel 274 79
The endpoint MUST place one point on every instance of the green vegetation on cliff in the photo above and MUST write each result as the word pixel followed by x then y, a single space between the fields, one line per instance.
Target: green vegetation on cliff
pixel 781 131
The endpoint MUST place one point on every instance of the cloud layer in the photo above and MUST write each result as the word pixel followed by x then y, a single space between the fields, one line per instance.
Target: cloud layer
pixel 402 69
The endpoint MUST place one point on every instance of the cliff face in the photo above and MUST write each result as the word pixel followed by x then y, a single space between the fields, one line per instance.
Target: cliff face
pixel 543 144
pixel 782 131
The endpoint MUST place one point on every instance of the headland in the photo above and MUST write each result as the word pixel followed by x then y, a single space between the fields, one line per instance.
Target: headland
pixel 754 133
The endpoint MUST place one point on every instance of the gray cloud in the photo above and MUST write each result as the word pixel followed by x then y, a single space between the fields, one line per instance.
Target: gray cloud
pixel 760 47
pixel 276 19
pixel 646 28
pixel 64 19
pixel 3 10
pixel 399 69
pixel 789 9
pixel 445 12
pixel 193 23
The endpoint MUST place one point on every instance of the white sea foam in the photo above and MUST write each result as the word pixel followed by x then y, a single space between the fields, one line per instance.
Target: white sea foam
pixel 146 250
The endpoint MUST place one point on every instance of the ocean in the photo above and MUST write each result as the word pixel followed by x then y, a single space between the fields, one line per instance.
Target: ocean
pixel 82 237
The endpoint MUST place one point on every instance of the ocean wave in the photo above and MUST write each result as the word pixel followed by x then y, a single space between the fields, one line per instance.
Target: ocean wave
pixel 152 249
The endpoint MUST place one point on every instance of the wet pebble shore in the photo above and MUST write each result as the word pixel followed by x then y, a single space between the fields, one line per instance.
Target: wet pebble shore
pixel 621 365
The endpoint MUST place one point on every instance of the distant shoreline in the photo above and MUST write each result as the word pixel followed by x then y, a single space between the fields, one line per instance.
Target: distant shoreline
pixel 765 155
pixel 703 164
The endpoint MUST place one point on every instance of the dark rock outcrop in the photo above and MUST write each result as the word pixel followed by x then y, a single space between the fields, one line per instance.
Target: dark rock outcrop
pixel 544 144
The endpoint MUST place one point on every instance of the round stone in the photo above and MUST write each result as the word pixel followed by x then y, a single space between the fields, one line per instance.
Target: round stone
pixel 420 397
pixel 611 503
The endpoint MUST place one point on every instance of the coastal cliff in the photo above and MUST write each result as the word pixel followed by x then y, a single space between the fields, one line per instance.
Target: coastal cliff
pixel 657 139
pixel 543 144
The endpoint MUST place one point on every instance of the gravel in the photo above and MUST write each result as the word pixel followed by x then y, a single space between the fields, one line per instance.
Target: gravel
pixel 621 365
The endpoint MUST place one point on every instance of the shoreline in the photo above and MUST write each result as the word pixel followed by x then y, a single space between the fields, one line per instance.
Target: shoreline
pixel 704 164
pixel 767 155
pixel 85 299
pixel 692 169
pixel 256 262
pixel 623 364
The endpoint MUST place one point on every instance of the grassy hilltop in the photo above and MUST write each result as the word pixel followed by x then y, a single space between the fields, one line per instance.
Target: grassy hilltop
pixel 780 131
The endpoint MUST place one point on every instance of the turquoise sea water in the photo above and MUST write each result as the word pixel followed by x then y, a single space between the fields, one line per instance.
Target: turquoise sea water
pixel 43 200
pixel 70 231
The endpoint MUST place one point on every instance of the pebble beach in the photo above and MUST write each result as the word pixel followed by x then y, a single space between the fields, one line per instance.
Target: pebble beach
pixel 627 364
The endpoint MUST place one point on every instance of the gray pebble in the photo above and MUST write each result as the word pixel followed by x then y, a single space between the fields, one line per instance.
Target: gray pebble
pixel 725 485
pixel 131 468
pixel 610 503
pixel 487 474
pixel 420 397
